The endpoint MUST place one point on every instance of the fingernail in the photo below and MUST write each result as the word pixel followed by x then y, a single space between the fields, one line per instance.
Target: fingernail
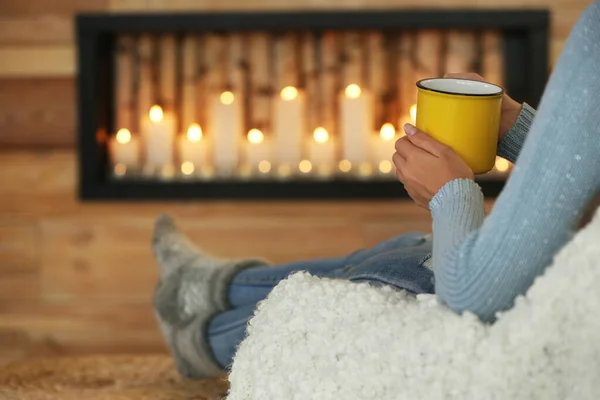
pixel 409 129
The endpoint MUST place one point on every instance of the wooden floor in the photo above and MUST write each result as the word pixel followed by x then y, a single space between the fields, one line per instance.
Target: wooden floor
pixel 77 278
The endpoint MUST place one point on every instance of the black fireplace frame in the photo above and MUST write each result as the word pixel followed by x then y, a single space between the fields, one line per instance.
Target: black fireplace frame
pixel 525 33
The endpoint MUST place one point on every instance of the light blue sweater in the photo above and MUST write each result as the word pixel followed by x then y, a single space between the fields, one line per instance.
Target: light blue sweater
pixel 482 264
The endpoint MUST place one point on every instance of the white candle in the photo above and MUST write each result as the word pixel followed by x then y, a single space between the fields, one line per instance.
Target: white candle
pixel 383 148
pixel 321 150
pixel 356 117
pixel 288 126
pixel 188 92
pixel 158 132
pixel 409 118
pixel 192 150
pixel 227 129
pixel 125 149
pixel 258 151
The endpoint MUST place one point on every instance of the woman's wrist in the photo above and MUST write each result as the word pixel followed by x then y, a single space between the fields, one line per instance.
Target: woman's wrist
pixel 455 191
pixel 511 144
pixel 510 115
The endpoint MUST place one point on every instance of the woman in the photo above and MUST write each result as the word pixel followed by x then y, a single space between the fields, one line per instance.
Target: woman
pixel 481 264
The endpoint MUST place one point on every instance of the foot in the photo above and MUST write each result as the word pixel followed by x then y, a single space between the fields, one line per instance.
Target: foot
pixel 192 288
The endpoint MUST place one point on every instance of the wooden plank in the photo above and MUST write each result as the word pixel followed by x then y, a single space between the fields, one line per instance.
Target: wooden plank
pixel 175 5
pixel 18 242
pixel 127 5
pixel 19 281
pixel 37 112
pixel 14 344
pixel 61 7
pixel 77 260
pixel 19 254
pixel 37 61
pixel 36 29
pixel 556 49
pixel 35 329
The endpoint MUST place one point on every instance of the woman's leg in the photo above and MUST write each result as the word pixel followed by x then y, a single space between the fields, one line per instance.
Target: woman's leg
pixel 400 268
pixel 252 285
pixel 226 331
pixel 192 298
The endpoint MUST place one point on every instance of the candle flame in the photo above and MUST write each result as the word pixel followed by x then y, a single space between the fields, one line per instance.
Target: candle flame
pixel 365 169
pixel 227 98
pixel 123 136
pixel 289 93
pixel 120 169
pixel 387 132
pixel 245 170
pixel 321 135
pixel 255 136
pixel 413 113
pixel 345 166
pixel 156 113
pixel 385 166
pixel 187 168
pixel 264 166
pixel 502 165
pixel 284 170
pixel 353 91
pixel 194 133
pixel 305 166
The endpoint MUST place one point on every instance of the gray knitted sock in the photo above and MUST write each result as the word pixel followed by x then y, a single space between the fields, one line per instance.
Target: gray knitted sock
pixel 191 289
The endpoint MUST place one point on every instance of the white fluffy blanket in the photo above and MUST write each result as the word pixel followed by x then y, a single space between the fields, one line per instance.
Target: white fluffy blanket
pixel 326 339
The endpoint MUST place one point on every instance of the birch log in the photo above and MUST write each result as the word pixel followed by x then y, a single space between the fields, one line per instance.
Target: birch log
pixel 145 94
pixel 461 51
pixel 377 77
pixel 124 84
pixel 167 72
pixel 189 76
pixel 329 82
pixel 493 57
pixel 406 74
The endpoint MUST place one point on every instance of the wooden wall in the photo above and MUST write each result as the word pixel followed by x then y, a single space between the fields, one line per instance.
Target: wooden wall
pixel 77 278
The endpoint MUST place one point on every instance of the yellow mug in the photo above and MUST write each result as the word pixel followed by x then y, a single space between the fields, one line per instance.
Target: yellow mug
pixel 463 114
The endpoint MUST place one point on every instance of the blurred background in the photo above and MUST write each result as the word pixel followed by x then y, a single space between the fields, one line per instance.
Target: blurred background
pixel 77 278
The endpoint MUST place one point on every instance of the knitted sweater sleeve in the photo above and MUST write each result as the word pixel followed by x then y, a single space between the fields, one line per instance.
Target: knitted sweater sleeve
pixel 510 147
pixel 482 264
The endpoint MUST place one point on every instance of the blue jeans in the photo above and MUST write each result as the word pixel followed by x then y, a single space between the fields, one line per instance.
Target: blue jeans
pixel 396 262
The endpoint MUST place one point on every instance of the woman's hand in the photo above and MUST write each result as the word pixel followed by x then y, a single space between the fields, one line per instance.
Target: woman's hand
pixel 424 165
pixel 510 108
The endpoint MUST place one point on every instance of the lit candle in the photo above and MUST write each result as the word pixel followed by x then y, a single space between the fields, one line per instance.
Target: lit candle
pixel 410 118
pixel 413 114
pixel 356 118
pixel 258 150
pixel 321 151
pixel 502 165
pixel 125 149
pixel 383 146
pixel 158 132
pixel 227 129
pixel 289 126
pixel 192 149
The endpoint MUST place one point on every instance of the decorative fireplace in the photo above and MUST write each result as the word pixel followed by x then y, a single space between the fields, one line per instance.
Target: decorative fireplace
pixel 278 105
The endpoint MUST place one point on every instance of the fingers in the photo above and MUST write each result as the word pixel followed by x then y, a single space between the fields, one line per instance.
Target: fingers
pixel 399 163
pixel 399 176
pixel 403 147
pixel 423 140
